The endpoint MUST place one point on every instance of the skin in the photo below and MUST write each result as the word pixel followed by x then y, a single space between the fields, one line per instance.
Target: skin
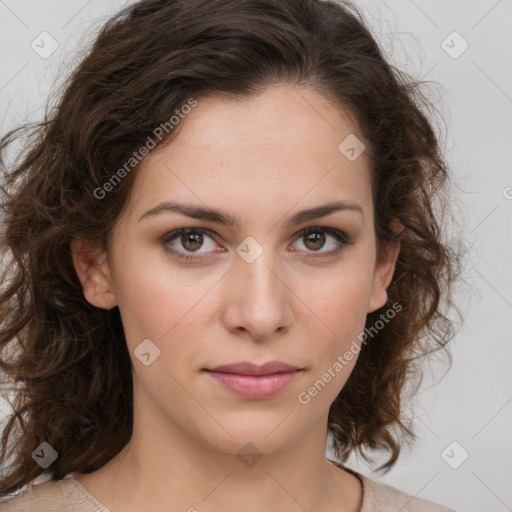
pixel 262 160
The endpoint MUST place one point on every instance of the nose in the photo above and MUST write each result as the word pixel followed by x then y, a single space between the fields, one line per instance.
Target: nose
pixel 260 302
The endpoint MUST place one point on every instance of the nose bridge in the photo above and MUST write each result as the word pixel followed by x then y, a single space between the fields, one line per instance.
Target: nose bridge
pixel 262 302
pixel 260 278
pixel 255 268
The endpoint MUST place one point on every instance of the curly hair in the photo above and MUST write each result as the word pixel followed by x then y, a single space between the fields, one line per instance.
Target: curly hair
pixel 66 360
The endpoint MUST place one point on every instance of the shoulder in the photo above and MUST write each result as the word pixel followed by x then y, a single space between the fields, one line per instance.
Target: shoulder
pixel 385 498
pixel 51 496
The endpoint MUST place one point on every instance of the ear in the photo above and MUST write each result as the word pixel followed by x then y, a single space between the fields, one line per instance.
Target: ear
pixel 384 270
pixel 92 268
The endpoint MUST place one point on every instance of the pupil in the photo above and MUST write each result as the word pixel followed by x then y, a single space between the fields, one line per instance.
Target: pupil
pixel 195 239
pixel 316 238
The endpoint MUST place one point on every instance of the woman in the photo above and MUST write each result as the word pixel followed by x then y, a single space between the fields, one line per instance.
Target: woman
pixel 222 248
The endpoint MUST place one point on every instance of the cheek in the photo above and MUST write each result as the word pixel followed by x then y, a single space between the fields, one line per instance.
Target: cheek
pixel 339 310
pixel 341 300
pixel 159 302
pixel 146 296
pixel 342 313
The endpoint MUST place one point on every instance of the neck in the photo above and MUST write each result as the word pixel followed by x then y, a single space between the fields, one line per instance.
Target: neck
pixel 187 476
pixel 170 466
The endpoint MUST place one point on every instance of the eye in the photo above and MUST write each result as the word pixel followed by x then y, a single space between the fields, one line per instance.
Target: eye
pixel 192 239
pixel 314 239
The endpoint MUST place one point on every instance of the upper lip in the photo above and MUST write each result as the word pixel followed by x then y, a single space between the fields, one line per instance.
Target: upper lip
pixel 245 368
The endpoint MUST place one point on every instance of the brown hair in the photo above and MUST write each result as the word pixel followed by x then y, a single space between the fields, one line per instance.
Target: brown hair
pixel 67 360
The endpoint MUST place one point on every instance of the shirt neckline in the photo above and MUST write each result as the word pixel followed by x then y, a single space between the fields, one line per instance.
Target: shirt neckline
pixel 366 501
pixel 87 494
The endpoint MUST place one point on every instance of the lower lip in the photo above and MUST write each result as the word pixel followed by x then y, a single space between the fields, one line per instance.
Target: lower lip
pixel 252 386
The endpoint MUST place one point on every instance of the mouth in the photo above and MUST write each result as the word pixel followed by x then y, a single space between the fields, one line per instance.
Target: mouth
pixel 252 381
pixel 245 368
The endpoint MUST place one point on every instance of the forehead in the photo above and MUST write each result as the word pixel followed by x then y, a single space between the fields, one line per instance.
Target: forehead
pixel 275 149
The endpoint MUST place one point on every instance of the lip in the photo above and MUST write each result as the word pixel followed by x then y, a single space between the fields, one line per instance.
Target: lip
pixel 245 368
pixel 253 381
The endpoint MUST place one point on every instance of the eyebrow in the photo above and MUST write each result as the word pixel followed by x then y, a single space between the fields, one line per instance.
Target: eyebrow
pixel 226 219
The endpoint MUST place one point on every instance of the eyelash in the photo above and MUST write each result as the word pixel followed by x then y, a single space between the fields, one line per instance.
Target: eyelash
pixel 340 236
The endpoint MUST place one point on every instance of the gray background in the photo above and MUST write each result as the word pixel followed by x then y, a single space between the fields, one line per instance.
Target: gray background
pixel 470 405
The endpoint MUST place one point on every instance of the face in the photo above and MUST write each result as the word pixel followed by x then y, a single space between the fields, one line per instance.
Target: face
pixel 257 289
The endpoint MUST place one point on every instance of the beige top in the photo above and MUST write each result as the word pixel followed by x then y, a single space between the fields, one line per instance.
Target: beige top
pixel 68 495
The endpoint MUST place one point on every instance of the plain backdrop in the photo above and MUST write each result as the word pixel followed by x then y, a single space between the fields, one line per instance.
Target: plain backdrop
pixel 463 458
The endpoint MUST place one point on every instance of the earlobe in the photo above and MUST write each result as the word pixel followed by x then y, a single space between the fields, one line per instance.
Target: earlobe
pixel 93 271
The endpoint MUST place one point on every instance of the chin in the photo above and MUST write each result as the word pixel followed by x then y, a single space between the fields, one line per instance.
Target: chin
pixel 263 439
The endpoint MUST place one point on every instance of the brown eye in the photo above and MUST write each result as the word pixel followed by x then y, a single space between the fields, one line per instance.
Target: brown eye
pixel 183 243
pixel 314 240
pixel 192 241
